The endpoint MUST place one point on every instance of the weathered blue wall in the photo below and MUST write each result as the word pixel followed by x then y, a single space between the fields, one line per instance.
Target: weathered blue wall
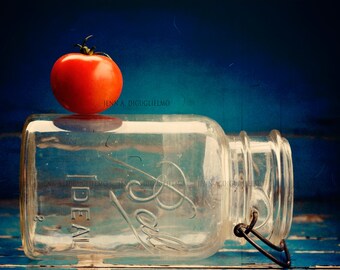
pixel 250 65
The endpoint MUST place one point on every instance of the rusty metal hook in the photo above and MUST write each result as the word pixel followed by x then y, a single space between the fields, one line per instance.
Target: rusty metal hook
pixel 242 230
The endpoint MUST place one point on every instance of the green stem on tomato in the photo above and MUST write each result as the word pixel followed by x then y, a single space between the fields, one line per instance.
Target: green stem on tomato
pixel 89 51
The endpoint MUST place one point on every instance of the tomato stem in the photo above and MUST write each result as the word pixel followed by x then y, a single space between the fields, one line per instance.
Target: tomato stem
pixel 89 51
pixel 102 53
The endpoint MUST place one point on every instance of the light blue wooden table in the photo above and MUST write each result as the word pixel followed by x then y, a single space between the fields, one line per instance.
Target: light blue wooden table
pixel 314 242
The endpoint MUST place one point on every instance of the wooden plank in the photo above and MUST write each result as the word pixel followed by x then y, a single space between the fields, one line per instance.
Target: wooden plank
pixel 314 243
pixel 314 159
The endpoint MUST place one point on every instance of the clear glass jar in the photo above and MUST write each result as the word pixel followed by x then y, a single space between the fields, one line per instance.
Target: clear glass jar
pixel 161 187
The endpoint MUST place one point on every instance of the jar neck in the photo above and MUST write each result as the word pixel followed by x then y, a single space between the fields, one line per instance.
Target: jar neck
pixel 261 179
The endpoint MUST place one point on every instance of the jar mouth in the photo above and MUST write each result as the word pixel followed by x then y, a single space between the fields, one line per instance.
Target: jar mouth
pixel 284 186
pixel 262 181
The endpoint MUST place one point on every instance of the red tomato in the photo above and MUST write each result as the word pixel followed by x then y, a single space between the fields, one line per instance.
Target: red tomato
pixel 86 84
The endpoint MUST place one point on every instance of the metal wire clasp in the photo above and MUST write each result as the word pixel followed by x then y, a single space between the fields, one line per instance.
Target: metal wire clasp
pixel 242 230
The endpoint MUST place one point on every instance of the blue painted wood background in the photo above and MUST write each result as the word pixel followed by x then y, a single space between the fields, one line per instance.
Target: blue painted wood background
pixel 250 65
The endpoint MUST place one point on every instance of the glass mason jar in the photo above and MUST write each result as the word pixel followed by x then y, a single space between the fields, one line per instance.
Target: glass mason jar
pixel 161 187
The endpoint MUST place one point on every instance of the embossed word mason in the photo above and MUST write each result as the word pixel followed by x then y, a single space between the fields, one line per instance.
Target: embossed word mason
pixel 149 188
